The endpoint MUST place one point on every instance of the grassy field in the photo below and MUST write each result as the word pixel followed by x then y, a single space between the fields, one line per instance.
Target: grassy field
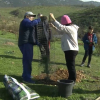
pixel 11 58
pixel 11 64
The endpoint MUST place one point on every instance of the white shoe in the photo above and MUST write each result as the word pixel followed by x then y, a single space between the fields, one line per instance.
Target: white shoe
pixel 82 65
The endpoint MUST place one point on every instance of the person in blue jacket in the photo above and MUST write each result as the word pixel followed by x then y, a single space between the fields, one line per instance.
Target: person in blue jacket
pixel 26 41
pixel 89 41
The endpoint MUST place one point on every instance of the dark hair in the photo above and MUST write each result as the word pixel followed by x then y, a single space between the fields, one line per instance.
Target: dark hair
pixel 90 27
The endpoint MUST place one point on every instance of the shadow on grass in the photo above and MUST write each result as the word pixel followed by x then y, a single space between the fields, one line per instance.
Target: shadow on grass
pixel 81 91
pixel 45 90
pixel 78 65
pixel 7 56
pixel 51 62
pixel 94 54
pixel 81 53
pixel 35 60
pixel 4 94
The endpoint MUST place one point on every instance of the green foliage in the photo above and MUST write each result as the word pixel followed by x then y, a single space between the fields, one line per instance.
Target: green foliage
pixel 57 10
pixel 24 3
pixel 19 13
pixel 86 18
pixel 79 15
pixel 10 18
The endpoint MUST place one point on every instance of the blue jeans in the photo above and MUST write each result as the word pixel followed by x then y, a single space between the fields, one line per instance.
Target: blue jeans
pixel 27 52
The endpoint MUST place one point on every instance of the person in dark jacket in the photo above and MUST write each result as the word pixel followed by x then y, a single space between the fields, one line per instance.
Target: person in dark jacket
pixel 89 41
pixel 26 41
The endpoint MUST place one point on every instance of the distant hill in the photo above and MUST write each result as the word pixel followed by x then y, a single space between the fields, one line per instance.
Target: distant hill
pixel 79 15
pixel 23 3
pixel 86 18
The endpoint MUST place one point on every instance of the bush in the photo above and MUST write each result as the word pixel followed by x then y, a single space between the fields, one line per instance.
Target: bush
pixel 18 13
pixel 10 24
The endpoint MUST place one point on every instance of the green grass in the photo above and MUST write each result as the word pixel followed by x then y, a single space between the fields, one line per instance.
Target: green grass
pixel 11 64
pixel 11 57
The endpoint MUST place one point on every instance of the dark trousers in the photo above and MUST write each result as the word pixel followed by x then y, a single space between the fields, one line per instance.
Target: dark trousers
pixel 70 62
pixel 27 52
pixel 88 53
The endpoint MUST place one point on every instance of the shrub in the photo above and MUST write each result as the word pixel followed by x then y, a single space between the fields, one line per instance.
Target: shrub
pixel 18 13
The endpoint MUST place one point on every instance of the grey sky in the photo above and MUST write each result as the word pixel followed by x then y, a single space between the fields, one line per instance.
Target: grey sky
pixel 90 0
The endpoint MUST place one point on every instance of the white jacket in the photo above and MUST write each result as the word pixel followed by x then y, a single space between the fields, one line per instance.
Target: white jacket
pixel 69 40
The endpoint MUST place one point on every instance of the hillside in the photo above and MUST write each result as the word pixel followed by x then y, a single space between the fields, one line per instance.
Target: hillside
pixel 87 17
pixel 23 3
pixel 81 16
pixel 57 10
pixel 11 17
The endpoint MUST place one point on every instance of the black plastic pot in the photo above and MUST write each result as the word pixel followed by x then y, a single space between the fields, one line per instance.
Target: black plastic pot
pixel 65 87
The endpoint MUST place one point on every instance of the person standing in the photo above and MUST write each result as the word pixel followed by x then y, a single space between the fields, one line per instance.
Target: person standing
pixel 69 42
pixel 26 41
pixel 89 40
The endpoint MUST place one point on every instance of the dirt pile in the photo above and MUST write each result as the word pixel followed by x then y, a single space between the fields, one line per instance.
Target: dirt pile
pixel 60 74
pixel 9 43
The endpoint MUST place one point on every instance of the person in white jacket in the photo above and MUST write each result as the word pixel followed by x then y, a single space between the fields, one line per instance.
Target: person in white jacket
pixel 69 42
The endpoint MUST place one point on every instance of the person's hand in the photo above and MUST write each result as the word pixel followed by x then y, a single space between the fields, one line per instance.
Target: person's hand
pixel 51 17
pixel 52 25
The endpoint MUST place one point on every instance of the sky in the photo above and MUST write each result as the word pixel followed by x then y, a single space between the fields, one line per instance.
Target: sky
pixel 90 0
